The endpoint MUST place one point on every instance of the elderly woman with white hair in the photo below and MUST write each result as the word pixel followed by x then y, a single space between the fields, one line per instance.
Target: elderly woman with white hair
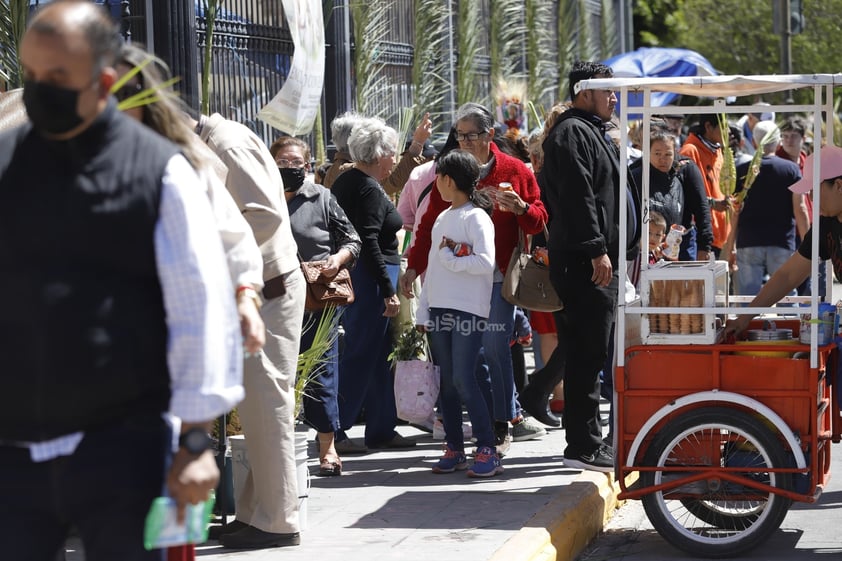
pixel 366 378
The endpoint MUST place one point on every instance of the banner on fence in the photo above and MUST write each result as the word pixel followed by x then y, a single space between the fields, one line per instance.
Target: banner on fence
pixel 293 109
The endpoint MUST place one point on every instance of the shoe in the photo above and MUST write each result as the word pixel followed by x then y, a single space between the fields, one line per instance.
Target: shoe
pixel 527 429
pixel 217 530
pixel 397 441
pixel 438 431
pixel 535 403
pixel 329 468
pixel 557 405
pixel 502 439
pixel 348 446
pixel 253 538
pixel 601 459
pixel 486 463
pixel 452 460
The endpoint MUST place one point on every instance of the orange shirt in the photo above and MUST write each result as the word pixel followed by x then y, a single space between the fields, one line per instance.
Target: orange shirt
pixel 709 161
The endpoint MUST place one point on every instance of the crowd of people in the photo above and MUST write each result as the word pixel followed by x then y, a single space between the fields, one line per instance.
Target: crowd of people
pixel 138 308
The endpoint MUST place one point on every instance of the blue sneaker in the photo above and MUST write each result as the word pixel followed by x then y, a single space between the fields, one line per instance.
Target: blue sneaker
pixel 451 461
pixel 486 463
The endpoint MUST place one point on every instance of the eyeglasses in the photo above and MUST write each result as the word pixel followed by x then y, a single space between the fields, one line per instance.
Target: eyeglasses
pixel 127 91
pixel 470 136
pixel 290 163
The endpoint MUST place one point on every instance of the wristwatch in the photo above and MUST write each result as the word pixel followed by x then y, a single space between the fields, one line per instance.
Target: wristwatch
pixel 195 440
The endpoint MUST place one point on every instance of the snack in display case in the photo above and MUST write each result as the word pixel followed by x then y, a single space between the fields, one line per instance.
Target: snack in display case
pixel 685 285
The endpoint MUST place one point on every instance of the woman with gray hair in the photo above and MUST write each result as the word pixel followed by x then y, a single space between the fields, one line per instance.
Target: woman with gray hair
pixel 519 211
pixel 366 378
pixel 340 132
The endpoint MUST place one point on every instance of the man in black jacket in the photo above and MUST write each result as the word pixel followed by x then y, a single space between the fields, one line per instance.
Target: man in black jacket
pixel 581 168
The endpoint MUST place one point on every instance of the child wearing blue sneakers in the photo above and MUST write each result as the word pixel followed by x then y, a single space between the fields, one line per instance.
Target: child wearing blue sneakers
pixel 453 308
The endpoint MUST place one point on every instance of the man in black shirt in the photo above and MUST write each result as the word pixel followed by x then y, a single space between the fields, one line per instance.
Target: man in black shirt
pixel 797 268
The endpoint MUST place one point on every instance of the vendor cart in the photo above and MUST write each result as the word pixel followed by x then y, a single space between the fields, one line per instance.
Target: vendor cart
pixel 719 438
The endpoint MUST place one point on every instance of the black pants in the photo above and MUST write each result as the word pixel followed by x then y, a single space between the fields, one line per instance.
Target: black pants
pixel 586 337
pixel 104 489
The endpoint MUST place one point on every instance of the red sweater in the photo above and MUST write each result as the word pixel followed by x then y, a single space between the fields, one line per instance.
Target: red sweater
pixel 505 168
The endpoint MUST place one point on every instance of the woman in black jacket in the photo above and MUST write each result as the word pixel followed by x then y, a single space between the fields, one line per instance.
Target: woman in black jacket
pixel 677 191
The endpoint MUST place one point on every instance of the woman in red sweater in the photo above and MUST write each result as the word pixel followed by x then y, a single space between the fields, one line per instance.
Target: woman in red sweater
pixel 518 209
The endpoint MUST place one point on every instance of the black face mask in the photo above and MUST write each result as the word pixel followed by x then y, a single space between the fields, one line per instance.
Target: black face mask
pixel 51 109
pixel 293 178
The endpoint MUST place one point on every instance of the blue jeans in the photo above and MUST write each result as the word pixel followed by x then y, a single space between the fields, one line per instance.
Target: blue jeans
pixel 321 410
pixel 754 263
pixel 104 489
pixel 366 378
pixel 494 370
pixel 455 340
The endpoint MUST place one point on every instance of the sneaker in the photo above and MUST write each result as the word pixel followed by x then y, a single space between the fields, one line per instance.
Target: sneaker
pixel 527 429
pixel 502 439
pixel 452 460
pixel 486 463
pixel 601 459
pixel 438 430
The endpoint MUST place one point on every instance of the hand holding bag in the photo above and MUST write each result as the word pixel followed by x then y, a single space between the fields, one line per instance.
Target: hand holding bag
pixel 416 389
pixel 323 290
pixel 527 283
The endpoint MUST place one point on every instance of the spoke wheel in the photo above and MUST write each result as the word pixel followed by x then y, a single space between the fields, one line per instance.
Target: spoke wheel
pixel 715 517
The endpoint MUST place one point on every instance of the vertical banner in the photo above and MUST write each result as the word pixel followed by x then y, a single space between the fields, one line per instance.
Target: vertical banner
pixel 293 109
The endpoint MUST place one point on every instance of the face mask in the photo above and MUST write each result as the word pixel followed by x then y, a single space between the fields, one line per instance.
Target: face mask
pixel 51 109
pixel 293 178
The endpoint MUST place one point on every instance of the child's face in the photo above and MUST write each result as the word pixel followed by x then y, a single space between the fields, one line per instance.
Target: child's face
pixel 657 234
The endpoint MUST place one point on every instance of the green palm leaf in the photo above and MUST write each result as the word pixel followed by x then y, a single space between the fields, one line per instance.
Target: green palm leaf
pixel 429 63
pixel 467 49
pixel 13 15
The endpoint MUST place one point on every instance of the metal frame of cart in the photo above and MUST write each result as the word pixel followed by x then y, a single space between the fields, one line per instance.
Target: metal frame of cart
pixel 722 437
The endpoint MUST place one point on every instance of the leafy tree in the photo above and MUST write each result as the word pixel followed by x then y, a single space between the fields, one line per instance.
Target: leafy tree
pixel 737 37
pixel 659 23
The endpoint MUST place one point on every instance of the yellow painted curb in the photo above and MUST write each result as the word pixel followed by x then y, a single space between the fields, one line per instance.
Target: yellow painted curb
pixel 567 524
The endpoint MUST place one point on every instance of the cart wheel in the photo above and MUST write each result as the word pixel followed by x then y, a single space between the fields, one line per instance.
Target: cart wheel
pixel 714 517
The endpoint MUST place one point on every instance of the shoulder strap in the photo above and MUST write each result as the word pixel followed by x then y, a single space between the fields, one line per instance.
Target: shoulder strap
pixel 424 194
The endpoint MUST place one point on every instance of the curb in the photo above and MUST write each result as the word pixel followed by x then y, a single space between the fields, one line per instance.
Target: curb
pixel 566 525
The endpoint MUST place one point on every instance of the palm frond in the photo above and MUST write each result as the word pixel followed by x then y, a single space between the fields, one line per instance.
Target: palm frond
pixel 467 51
pixel 212 8
pixel 608 42
pixel 371 28
pixel 543 73
pixel 568 19
pixel 506 31
pixel 312 361
pixel 429 63
pixel 13 16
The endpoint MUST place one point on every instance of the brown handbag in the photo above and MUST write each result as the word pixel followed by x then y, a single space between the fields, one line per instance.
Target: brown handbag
pixel 323 290
pixel 527 283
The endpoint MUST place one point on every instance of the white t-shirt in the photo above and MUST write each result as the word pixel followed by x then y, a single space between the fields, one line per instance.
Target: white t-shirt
pixel 460 283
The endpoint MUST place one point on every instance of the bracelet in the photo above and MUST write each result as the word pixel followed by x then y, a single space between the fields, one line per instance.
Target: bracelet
pixel 250 293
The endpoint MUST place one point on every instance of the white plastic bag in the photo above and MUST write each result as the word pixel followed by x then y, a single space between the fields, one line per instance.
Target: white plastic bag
pixel 416 389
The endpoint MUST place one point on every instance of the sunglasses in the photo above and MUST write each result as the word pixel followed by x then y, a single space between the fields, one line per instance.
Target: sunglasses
pixel 127 91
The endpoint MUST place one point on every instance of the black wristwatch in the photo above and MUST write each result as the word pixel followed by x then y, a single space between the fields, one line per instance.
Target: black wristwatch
pixel 195 440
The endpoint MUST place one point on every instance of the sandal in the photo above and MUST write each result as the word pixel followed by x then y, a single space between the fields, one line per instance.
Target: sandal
pixel 328 468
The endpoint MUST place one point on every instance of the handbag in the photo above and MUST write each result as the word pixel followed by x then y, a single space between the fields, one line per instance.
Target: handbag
pixel 416 389
pixel 323 290
pixel 527 283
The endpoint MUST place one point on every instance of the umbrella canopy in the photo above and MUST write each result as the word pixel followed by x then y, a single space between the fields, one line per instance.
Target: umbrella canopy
pixel 657 62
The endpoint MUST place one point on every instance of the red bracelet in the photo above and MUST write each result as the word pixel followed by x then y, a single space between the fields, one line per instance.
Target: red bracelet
pixel 243 287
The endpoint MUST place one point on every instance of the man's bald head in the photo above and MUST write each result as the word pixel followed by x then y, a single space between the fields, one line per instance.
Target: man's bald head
pixel 99 32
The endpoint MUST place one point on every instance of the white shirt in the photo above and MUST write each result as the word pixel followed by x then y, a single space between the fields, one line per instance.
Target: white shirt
pixel 204 351
pixel 459 283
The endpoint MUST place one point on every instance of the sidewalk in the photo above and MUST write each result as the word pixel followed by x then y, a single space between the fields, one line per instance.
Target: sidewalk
pixel 388 505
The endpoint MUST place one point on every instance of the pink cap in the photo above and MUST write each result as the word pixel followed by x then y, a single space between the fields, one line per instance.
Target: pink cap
pixel 831 166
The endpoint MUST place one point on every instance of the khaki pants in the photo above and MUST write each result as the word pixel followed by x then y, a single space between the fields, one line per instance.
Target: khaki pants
pixel 269 498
